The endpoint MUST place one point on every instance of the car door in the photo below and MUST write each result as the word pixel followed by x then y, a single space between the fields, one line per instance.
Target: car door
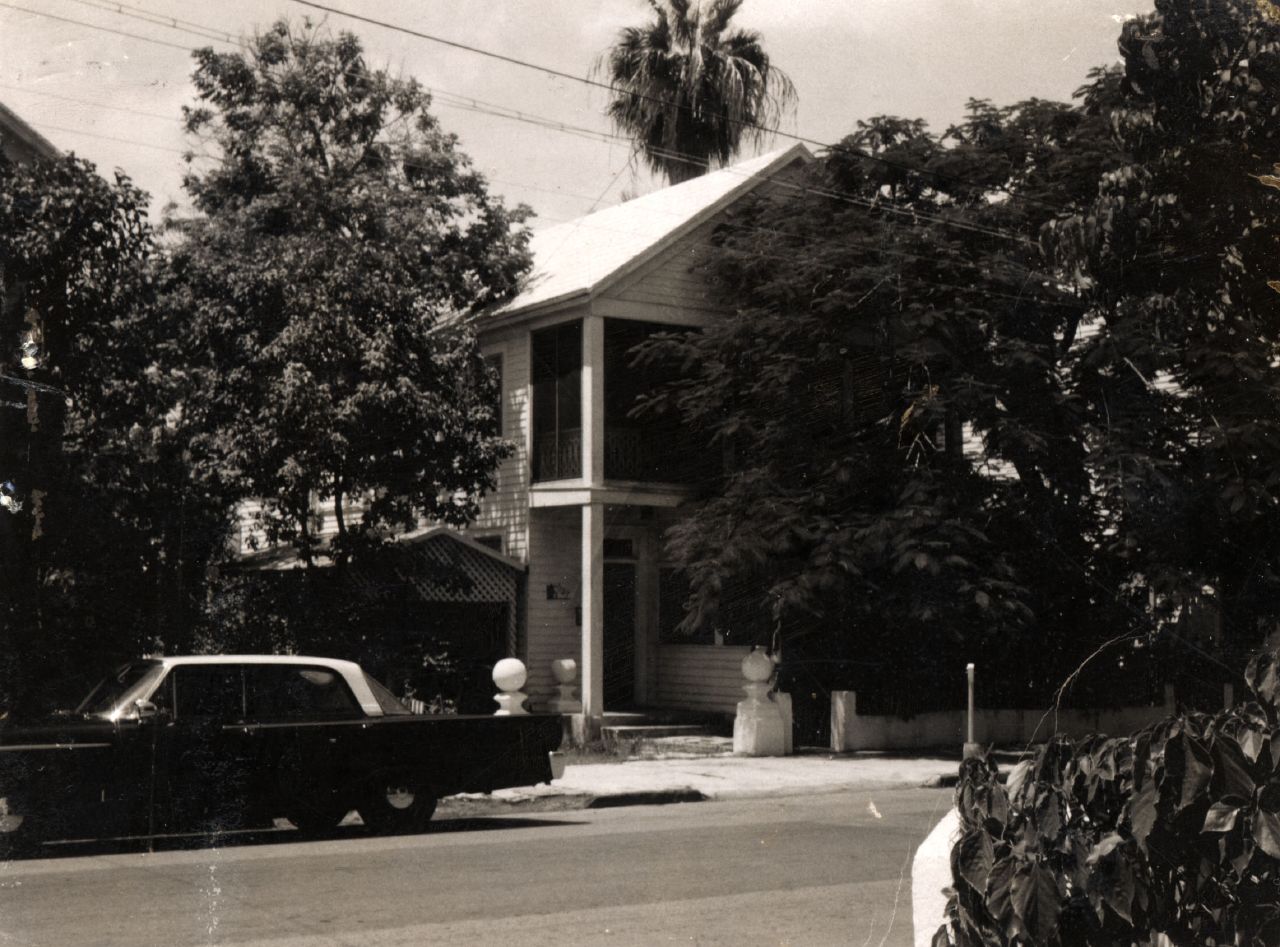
pixel 303 719
pixel 205 751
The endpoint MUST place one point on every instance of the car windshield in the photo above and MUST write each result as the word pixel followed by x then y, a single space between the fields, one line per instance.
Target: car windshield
pixel 108 692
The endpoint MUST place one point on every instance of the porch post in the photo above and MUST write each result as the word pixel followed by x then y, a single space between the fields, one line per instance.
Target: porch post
pixel 593 615
pixel 593 400
pixel 593 524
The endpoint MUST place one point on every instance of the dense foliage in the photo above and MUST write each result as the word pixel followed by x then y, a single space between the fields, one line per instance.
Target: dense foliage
pixel 1174 830
pixel 1178 387
pixel 98 560
pixel 320 342
pixel 688 90
pixel 888 387
pixel 1010 392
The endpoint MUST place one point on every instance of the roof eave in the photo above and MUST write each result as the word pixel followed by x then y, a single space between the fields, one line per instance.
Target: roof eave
pixel 533 310
pixel 12 122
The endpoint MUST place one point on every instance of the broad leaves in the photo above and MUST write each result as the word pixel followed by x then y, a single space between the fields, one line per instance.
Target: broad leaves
pixel 1174 829
pixel 1037 902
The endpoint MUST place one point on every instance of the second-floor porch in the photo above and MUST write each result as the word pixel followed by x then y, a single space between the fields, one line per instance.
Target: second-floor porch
pixel 587 384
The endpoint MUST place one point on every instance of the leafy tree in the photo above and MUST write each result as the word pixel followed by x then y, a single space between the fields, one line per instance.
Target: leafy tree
pixel 688 90
pixel 908 479
pixel 319 341
pixel 93 562
pixel 1178 383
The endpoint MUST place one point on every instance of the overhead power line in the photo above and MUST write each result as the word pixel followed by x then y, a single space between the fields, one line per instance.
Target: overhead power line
pixel 596 83
pixel 94 26
pixel 516 115
pixel 160 19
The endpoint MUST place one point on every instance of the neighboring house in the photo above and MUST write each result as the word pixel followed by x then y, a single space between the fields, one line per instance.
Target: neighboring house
pixel 589 490
pixel 21 143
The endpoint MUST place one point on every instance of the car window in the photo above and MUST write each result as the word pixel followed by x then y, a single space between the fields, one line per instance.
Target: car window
pixel 111 689
pixel 389 702
pixel 293 692
pixel 206 692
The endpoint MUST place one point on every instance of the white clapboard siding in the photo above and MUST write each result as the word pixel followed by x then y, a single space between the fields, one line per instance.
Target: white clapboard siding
pixel 555 558
pixel 700 677
pixel 674 278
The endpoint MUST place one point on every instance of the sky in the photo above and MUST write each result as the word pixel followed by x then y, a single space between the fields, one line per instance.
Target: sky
pixel 116 99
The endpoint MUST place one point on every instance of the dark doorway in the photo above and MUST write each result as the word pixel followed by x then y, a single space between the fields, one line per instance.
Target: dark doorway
pixel 619 635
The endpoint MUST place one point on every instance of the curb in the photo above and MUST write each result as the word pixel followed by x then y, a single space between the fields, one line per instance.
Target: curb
pixel 481 805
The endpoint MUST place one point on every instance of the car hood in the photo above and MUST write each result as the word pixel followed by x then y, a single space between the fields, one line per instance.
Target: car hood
pixel 42 731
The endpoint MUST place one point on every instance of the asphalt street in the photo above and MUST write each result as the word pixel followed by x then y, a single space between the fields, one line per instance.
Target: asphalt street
pixel 796 870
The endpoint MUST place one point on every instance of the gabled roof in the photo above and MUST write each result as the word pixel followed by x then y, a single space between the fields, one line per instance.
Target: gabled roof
pixel 580 258
pixel 15 131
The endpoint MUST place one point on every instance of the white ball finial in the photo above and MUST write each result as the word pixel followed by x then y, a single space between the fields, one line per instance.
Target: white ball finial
pixel 757 667
pixel 509 674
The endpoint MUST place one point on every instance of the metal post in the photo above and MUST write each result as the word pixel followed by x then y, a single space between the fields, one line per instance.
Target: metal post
pixel 970 745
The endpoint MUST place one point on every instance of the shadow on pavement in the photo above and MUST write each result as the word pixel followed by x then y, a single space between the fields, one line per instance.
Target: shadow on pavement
pixel 76 848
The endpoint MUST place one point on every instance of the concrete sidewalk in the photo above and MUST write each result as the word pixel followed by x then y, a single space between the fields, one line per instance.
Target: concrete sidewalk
pixel 682 779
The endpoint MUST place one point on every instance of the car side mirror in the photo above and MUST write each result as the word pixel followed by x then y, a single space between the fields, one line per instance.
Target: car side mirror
pixel 146 709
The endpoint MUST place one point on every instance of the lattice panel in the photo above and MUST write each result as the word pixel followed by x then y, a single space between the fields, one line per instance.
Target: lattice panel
pixel 440 569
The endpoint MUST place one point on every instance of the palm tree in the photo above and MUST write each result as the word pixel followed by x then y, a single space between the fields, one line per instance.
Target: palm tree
pixel 687 92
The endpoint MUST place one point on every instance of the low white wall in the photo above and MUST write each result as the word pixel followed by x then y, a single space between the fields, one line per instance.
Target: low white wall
pixel 853 731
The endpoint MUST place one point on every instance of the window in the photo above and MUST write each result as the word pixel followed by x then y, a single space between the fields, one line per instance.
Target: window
pixel 557 402
pixel 205 692
pixel 293 692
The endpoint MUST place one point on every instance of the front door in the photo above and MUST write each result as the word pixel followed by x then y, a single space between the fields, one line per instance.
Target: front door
pixel 619 635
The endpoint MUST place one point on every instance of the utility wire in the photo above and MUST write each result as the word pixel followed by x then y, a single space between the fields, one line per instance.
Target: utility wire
pixel 123 141
pixel 596 83
pixel 94 26
pixel 94 103
pixel 580 222
pixel 837 195
pixel 159 19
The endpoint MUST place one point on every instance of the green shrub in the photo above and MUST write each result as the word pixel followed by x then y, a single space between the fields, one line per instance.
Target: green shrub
pixel 1173 830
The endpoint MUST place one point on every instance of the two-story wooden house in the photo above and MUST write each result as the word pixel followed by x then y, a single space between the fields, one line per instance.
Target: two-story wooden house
pixel 587 494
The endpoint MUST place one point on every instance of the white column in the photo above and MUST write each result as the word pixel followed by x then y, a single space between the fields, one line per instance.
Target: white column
pixel 593 611
pixel 593 400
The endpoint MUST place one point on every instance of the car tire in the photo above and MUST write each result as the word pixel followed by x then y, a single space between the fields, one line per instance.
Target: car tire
pixel 398 804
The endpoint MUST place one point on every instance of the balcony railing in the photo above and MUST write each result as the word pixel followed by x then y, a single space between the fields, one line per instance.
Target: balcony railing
pixel 557 455
pixel 630 453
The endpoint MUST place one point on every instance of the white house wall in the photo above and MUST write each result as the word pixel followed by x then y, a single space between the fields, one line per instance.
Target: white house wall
pixel 670 288
pixel 700 677
pixel 555 559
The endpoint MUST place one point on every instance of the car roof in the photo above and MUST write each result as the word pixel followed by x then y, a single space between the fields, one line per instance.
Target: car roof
pixel 336 664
